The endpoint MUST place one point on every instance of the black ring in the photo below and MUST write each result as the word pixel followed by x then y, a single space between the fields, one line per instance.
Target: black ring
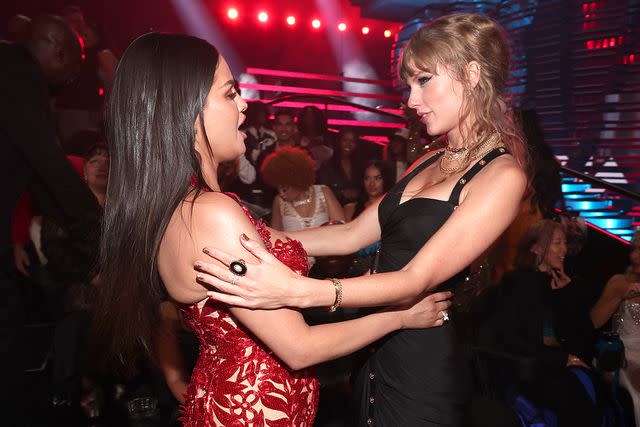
pixel 238 267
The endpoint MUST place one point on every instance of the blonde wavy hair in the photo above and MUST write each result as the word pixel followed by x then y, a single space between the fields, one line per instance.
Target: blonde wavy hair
pixel 452 42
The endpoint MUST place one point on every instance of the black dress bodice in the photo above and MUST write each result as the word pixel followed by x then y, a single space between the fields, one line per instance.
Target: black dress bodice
pixel 416 377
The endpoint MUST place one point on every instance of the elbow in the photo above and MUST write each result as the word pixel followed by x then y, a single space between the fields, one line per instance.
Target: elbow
pixel 418 284
pixel 298 359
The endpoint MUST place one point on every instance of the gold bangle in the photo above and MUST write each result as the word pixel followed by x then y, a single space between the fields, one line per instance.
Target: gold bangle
pixel 338 302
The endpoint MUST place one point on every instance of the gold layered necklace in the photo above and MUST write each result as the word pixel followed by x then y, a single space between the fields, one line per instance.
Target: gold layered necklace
pixel 456 159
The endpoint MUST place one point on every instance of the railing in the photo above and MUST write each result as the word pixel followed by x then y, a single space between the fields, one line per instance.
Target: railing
pixel 601 183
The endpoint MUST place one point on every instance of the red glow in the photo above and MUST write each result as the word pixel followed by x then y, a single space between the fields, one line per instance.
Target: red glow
pixel 232 13
pixel 605 43
pixel 291 20
pixel 585 7
pixel 612 42
pixel 365 30
pixel 315 23
pixel 84 56
pixel 263 16
pixel 590 44
pixel 342 26
pixel 387 33
pixel 632 58
pixel 100 91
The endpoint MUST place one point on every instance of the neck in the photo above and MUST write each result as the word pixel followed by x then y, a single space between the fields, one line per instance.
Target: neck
pixel 455 141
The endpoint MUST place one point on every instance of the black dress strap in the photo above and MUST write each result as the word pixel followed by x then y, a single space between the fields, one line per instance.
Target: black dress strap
pixel 454 199
pixel 420 167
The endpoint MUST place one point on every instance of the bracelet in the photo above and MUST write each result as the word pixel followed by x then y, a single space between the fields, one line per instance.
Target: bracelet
pixel 338 302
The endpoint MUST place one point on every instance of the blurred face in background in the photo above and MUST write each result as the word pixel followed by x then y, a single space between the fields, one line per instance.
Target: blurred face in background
pixel 96 171
pixel 347 143
pixel 553 258
pixel 285 128
pixel 373 182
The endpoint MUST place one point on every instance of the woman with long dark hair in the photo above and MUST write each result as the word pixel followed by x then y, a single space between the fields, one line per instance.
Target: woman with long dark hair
pixel 449 207
pixel 173 116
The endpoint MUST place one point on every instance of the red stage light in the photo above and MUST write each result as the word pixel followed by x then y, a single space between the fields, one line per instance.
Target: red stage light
pixel 101 91
pixel 342 26
pixel 365 30
pixel 387 33
pixel 291 20
pixel 263 17
pixel 232 13
pixel 315 23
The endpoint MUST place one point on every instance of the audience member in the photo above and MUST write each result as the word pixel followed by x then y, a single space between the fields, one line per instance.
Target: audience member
pixel 620 302
pixel 299 203
pixel 397 153
pixel 312 126
pixel 80 105
pixel 28 156
pixel 342 173
pixel 377 180
pixel 256 125
pixel 286 132
pixel 541 313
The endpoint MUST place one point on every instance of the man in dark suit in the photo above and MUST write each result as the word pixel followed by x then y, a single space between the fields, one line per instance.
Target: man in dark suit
pixel 30 159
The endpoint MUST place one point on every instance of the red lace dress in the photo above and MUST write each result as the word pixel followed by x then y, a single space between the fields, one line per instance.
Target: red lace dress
pixel 237 381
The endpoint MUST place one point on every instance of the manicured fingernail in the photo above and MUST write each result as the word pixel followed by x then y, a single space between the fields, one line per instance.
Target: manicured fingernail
pixel 197 265
pixel 244 237
pixel 199 277
pixel 206 251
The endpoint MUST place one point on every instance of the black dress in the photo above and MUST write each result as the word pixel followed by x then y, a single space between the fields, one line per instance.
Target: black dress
pixel 415 377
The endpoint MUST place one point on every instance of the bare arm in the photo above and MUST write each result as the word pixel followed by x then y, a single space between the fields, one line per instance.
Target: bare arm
pixel 341 239
pixel 276 214
pixel 284 330
pixel 349 210
pixel 336 212
pixel 609 301
pixel 486 211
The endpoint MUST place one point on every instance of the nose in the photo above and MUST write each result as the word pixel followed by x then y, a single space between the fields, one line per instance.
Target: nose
pixel 414 98
pixel 242 104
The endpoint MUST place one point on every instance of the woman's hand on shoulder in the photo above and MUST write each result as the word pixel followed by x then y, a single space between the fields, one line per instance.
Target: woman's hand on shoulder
pixel 249 290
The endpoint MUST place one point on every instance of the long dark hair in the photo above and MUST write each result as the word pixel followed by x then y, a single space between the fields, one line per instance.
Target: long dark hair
pixel 159 92
pixel 543 168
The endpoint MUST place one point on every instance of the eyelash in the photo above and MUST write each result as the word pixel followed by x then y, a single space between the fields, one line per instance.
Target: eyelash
pixel 232 94
pixel 423 80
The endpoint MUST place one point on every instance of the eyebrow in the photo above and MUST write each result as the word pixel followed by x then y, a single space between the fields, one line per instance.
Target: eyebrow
pixel 230 82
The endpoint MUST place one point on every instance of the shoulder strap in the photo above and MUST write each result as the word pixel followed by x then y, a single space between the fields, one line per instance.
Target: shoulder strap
pixel 423 165
pixel 454 199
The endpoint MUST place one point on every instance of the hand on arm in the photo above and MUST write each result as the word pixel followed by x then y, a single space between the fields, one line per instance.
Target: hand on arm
pixel 284 330
pixel 484 214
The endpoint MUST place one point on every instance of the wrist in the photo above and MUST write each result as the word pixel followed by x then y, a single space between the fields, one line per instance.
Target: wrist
pixel 314 293
pixel 394 317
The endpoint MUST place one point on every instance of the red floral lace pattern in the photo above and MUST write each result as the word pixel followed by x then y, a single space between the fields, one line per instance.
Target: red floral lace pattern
pixel 237 381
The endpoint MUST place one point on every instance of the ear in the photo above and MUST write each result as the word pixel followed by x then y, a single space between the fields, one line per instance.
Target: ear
pixel 473 73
